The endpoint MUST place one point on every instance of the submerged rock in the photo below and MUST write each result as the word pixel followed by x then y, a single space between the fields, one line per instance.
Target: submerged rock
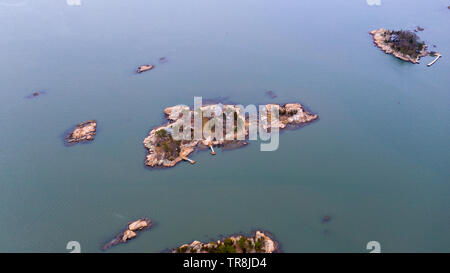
pixel 131 232
pixel 144 68
pixel 83 132
pixel 271 94
pixel 258 243
pixel 162 60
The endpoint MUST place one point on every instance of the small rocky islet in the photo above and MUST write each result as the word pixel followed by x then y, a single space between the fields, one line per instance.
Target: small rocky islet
pixel 403 44
pixel 164 151
pixel 144 68
pixel 148 67
pixel 84 131
pixel 132 230
pixel 257 243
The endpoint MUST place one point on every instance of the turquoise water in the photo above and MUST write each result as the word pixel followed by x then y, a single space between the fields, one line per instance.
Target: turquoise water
pixel 377 161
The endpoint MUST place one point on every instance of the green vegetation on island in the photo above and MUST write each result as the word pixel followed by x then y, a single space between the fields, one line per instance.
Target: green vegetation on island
pixel 259 243
pixel 403 44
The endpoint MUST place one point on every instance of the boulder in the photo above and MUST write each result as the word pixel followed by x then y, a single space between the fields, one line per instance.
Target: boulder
pixel 128 234
pixel 137 225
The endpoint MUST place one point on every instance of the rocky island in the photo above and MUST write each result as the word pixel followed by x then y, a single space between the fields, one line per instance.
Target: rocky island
pixel 166 151
pixel 403 44
pixel 84 131
pixel 144 68
pixel 258 243
pixel 131 232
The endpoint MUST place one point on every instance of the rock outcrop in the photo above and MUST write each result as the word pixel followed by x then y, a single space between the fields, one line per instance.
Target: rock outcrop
pixel 144 68
pixel 258 243
pixel 84 131
pixel 131 232
pixel 166 151
pixel 139 224
pixel 128 234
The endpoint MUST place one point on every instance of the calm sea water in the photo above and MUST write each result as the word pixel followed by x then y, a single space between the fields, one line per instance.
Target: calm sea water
pixel 377 161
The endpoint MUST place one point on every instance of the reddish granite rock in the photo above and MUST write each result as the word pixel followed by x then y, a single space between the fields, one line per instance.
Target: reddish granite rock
pixel 84 131
pixel 144 68
pixel 131 232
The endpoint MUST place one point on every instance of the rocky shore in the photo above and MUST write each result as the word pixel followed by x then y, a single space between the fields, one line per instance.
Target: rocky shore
pixel 258 243
pixel 131 232
pixel 164 151
pixel 384 39
pixel 84 131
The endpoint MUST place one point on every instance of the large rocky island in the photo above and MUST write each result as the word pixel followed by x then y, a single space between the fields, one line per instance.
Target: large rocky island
pixel 258 243
pixel 165 151
pixel 403 44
